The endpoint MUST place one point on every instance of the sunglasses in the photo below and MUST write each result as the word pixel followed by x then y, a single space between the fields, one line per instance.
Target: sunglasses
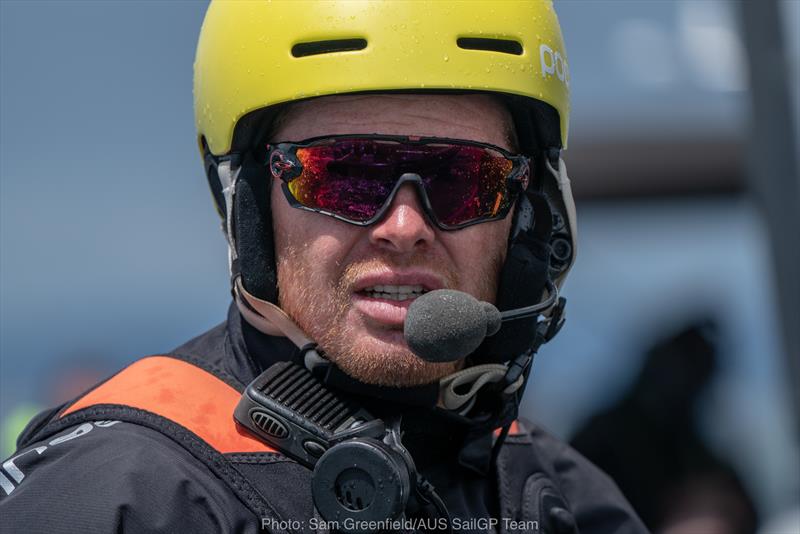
pixel 354 178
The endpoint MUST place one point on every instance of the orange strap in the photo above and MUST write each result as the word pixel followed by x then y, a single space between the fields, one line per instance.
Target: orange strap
pixel 182 393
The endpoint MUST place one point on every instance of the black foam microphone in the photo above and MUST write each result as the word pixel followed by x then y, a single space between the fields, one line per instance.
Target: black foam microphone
pixel 446 325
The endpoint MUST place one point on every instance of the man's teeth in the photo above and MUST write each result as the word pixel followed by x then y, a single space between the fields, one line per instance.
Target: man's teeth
pixel 394 292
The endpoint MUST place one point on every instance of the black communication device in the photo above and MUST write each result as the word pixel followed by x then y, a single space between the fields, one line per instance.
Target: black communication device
pixel 362 474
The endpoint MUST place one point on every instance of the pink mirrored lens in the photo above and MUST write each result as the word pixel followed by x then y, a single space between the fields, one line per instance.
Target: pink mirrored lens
pixel 353 178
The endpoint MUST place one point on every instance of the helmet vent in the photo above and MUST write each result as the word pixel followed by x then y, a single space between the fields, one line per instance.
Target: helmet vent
pixel 504 46
pixel 315 48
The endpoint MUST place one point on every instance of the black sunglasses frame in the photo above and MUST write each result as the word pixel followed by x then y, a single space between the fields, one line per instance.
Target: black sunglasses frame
pixel 283 164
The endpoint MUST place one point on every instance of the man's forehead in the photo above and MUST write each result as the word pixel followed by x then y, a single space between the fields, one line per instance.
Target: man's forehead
pixel 475 117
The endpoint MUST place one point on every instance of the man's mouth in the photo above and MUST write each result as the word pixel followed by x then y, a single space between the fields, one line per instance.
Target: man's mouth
pixel 390 292
pixel 383 297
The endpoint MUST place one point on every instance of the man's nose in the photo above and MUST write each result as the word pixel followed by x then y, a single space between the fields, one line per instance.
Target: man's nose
pixel 405 227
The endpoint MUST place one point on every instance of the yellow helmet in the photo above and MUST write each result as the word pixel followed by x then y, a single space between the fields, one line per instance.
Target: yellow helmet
pixel 253 55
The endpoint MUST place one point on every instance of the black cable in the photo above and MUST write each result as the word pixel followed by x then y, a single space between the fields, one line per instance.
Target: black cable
pixel 499 443
pixel 427 493
pixel 441 508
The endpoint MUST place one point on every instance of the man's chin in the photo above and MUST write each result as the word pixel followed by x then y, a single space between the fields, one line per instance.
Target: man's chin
pixel 388 362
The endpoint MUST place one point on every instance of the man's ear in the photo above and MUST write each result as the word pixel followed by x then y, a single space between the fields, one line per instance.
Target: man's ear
pixel 253 228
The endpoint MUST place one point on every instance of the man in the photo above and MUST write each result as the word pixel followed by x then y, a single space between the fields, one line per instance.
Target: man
pixel 361 155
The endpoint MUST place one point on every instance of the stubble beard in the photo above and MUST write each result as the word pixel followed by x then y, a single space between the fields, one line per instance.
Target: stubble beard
pixel 320 307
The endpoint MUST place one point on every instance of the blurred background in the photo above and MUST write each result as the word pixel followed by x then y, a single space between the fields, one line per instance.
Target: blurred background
pixel 677 368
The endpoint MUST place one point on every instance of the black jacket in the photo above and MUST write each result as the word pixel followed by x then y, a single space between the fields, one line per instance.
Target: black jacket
pixel 118 476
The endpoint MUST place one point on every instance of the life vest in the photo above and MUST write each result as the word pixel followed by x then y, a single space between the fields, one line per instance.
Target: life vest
pixel 193 404
pixel 181 392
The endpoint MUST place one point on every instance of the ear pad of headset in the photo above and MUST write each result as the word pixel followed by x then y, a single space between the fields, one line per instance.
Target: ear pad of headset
pixel 253 231
pixel 522 281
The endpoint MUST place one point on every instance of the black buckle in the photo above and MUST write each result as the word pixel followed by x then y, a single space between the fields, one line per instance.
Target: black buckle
pixel 516 369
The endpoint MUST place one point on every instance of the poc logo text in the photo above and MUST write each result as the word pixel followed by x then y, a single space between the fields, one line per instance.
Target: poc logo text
pixel 553 64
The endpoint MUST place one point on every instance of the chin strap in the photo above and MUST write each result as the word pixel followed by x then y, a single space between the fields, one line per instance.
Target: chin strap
pixel 267 317
pixel 271 320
